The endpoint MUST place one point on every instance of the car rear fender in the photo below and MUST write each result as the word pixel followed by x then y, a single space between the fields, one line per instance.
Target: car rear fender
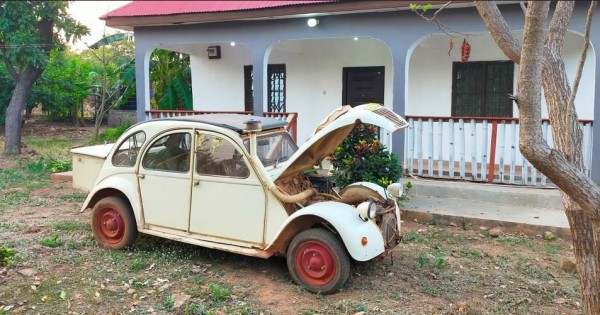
pixel 124 185
pixel 350 227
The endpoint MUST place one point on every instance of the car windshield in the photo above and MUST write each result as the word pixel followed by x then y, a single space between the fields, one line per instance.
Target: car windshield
pixel 273 148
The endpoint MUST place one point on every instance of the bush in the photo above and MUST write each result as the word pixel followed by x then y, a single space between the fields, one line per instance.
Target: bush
pixel 6 255
pixel 112 134
pixel 49 164
pixel 362 157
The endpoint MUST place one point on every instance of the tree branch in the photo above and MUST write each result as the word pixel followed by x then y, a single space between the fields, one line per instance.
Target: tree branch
pixel 559 25
pixel 584 49
pixel 495 23
pixel 11 69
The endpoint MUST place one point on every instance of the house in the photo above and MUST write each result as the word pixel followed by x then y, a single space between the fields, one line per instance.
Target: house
pixel 310 57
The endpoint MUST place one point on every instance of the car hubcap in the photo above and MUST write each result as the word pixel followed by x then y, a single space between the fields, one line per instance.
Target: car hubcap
pixel 111 226
pixel 315 263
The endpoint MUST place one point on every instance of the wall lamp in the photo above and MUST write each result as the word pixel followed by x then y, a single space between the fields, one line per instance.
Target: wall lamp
pixel 312 22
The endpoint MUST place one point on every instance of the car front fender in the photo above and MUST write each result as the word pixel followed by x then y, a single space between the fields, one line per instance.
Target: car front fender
pixel 125 184
pixel 351 228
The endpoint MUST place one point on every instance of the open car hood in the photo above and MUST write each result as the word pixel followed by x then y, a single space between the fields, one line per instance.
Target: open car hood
pixel 333 131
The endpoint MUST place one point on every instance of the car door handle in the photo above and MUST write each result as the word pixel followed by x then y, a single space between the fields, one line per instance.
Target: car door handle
pixel 196 182
pixel 141 176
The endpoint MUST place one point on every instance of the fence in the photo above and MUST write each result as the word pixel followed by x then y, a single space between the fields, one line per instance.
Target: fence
pixel 478 149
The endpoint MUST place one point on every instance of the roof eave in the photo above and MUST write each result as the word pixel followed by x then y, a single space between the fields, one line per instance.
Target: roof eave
pixel 130 22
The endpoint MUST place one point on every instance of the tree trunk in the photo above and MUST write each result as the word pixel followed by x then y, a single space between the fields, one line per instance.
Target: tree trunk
pixel 586 243
pixel 14 111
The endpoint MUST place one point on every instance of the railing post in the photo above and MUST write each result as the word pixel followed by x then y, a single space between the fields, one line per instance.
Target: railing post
pixel 440 155
pixel 474 173
pixel 484 141
pixel 492 164
pixel 513 152
pixel 461 147
pixel 451 145
pixel 430 156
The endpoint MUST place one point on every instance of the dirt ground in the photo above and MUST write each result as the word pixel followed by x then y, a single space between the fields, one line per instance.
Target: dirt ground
pixel 59 269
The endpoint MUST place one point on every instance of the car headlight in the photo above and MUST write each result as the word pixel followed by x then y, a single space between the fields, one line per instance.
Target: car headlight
pixel 395 190
pixel 367 210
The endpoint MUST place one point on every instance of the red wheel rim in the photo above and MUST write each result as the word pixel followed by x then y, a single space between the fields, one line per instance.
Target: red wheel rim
pixel 110 225
pixel 315 264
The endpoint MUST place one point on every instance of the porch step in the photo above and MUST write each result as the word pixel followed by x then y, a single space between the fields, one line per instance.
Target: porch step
pixel 515 209
pixel 526 196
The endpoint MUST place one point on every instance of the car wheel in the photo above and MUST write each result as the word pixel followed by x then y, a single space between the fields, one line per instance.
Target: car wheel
pixel 318 261
pixel 113 223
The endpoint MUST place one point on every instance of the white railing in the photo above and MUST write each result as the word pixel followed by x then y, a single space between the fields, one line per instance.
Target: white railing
pixel 478 149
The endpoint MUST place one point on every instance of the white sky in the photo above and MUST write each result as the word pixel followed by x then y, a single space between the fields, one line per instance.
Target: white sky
pixel 89 13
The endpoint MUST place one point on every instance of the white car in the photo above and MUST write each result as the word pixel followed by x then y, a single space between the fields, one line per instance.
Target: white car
pixel 239 183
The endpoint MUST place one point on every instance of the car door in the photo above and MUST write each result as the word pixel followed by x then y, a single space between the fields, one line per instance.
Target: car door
pixel 165 179
pixel 228 200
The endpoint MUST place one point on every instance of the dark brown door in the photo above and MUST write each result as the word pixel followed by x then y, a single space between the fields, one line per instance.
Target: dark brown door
pixel 363 85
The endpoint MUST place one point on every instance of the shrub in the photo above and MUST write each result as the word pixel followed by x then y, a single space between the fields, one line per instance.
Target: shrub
pixel 362 157
pixel 6 255
pixel 112 134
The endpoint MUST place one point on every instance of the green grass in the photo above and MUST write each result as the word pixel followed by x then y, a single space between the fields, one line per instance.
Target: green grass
pixel 70 226
pixel 52 241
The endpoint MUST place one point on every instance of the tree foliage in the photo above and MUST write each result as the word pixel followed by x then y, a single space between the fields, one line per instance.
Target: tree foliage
pixel 63 86
pixel 172 80
pixel 113 77
pixel 29 30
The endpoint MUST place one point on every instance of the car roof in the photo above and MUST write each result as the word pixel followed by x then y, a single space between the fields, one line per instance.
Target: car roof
pixel 235 122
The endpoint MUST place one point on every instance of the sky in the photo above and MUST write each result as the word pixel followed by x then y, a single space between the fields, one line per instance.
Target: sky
pixel 89 13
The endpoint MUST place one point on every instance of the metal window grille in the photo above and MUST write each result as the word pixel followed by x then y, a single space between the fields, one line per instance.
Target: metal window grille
pixel 479 89
pixel 276 88
pixel 248 89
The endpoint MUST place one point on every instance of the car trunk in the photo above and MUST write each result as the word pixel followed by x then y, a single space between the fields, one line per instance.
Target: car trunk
pixel 87 162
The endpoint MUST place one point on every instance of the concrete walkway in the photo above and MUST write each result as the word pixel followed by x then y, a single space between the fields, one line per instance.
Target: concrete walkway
pixel 515 209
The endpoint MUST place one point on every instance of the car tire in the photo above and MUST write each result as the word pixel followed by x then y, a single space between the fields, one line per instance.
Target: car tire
pixel 318 261
pixel 113 223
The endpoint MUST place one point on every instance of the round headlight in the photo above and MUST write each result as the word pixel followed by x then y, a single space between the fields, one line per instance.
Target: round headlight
pixel 396 190
pixel 367 210
pixel 372 210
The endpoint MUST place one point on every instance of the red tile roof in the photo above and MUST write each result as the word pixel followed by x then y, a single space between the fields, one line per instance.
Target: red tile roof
pixel 161 8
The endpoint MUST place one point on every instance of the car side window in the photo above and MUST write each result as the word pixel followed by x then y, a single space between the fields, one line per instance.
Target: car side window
pixel 169 153
pixel 218 156
pixel 127 152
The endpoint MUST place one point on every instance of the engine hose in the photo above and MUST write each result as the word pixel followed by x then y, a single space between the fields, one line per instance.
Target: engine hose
pixel 299 197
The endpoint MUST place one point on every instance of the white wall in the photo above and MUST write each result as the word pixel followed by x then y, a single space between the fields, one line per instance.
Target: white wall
pixel 429 83
pixel 314 74
pixel 218 84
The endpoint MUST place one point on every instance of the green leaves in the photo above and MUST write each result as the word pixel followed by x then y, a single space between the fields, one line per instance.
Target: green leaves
pixel 170 72
pixel 362 157
pixel 417 7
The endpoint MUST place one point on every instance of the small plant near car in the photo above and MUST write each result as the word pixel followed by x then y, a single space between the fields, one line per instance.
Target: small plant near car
pixel 169 302
pixel 218 292
pixel 48 164
pixel 362 157
pixel 6 255
pixel 52 241
pixel 138 264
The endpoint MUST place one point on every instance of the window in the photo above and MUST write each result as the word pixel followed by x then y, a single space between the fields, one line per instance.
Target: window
pixel 169 153
pixel 275 88
pixel 217 156
pixel 479 89
pixel 127 153
pixel 273 148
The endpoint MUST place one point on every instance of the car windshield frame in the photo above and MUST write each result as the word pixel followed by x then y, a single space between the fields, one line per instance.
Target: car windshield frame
pixel 273 147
